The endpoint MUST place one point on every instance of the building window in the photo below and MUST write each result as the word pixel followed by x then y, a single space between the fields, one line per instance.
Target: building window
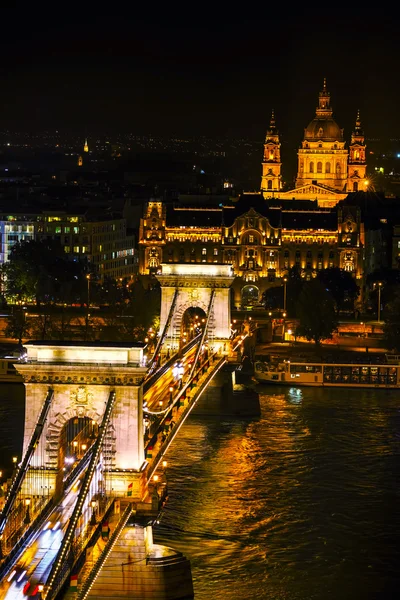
pixel 308 253
pixel 319 167
pixel 204 251
pixel 331 254
pixel 67 249
pixel 251 239
pixel 355 186
pixel 215 251
pixel 328 167
pixel 311 167
pixel 270 185
pixel 319 265
pixel 76 249
pixel 286 254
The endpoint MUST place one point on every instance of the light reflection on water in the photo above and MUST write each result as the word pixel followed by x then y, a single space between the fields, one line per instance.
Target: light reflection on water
pixel 301 503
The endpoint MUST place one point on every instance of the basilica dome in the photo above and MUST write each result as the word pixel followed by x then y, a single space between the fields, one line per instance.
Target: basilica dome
pixel 323 129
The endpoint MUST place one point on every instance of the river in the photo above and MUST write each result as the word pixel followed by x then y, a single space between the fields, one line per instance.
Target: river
pixel 301 503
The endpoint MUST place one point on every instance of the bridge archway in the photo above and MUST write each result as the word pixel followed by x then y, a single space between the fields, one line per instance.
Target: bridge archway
pixel 250 295
pixel 186 286
pixel 82 377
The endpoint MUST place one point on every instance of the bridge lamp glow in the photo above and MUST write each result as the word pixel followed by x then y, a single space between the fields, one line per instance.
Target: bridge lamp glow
pixel 155 478
pixel 164 464
pixel 15 459
pixel 83 447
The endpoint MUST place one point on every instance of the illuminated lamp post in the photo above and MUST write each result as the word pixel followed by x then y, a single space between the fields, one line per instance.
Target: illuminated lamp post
pixel 379 301
pixel 87 306
pixel 284 293
pixel 40 591
pixel 27 519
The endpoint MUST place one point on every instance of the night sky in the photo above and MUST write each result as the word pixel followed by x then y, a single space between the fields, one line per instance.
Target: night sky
pixel 196 71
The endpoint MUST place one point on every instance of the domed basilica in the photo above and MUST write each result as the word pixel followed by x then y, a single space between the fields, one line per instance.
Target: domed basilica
pixel 327 170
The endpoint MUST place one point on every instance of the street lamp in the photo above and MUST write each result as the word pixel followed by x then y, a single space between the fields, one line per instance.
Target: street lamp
pixel 284 293
pixel 40 590
pixel 27 519
pixel 379 301
pixel 171 390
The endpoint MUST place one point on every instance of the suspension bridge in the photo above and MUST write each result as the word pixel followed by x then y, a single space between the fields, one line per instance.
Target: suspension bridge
pixel 99 419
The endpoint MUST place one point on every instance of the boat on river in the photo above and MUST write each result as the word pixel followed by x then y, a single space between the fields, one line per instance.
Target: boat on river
pixel 328 375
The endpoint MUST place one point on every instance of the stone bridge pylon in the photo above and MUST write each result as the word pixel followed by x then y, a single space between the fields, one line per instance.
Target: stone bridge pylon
pixel 194 285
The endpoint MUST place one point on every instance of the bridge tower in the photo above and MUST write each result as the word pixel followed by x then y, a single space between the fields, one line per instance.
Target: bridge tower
pixel 204 286
pixel 81 376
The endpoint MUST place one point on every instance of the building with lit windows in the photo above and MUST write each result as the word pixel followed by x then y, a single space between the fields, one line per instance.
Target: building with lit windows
pixel 327 170
pixel 14 229
pixel 261 241
pixel 101 240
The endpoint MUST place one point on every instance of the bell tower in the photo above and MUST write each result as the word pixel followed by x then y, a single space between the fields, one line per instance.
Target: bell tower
pixel 357 170
pixel 271 180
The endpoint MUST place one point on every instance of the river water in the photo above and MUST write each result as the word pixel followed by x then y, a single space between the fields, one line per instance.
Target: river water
pixel 302 503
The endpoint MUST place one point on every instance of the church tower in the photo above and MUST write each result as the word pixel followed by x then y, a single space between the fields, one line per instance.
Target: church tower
pixel 322 158
pixel 357 159
pixel 271 180
pixel 86 147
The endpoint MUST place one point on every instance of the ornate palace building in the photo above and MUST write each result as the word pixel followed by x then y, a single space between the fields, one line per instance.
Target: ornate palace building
pixel 263 235
pixel 261 242
pixel 327 171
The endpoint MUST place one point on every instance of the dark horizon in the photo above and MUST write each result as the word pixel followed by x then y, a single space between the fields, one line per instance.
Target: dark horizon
pixel 168 76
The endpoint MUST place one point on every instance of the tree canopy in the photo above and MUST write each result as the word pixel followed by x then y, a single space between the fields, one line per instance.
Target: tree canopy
pixel 391 329
pixel 316 312
pixel 341 285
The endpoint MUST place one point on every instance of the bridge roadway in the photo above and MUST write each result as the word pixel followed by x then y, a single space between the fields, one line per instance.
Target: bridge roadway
pixel 33 566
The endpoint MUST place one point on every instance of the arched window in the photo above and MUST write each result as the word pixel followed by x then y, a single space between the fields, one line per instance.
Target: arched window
pixel 269 185
pixel 311 167
pixel 328 167
pixel 338 169
pixel 319 167
pixel 204 251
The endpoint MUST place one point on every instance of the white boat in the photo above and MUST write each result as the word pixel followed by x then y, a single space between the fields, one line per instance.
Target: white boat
pixel 329 375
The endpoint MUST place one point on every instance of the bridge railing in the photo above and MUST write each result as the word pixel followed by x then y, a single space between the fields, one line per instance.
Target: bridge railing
pixel 87 584
pixel 188 385
pixel 61 565
pixel 24 466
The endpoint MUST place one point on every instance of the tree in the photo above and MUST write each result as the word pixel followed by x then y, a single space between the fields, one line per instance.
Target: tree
pixel 39 271
pixel 341 285
pixel 391 328
pixel 316 312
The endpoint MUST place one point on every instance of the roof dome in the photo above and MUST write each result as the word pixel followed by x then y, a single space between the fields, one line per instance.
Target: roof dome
pixel 324 130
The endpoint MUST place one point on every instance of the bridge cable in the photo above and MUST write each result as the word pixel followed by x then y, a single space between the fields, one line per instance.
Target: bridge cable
pixel 209 311
pixel 24 466
pixel 61 559
pixel 164 333
pixel 92 576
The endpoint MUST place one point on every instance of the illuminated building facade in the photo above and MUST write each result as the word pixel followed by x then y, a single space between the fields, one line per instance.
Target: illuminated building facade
pixel 261 242
pixel 327 170
pixel 104 243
